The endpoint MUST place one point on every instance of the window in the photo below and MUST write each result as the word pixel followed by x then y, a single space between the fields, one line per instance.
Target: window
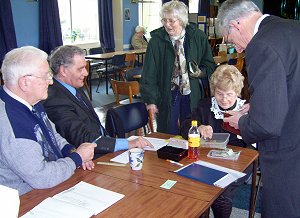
pixel 79 21
pixel 149 15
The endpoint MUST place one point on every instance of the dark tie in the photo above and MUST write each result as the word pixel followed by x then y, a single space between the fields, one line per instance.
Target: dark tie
pixel 87 104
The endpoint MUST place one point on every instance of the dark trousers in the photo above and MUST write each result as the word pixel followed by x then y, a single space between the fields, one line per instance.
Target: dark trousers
pixel 180 110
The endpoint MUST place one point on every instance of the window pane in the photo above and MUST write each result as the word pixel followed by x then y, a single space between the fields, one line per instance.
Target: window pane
pixel 79 21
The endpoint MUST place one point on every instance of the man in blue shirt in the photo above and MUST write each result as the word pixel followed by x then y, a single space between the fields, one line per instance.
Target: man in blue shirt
pixel 69 108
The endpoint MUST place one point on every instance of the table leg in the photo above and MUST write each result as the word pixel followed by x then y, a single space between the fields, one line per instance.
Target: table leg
pixel 253 190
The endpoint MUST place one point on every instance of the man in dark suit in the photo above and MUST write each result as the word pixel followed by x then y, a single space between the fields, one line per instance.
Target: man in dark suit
pixel 273 65
pixel 70 110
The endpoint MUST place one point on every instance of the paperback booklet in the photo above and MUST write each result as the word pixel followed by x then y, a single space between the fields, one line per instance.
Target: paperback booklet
pixel 82 200
pixel 210 174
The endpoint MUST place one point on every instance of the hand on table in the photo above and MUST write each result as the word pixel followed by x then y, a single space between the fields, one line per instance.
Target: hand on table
pixel 86 151
pixel 139 142
pixel 88 165
pixel 206 131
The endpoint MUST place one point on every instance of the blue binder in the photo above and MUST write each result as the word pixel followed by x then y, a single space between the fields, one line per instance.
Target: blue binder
pixel 201 173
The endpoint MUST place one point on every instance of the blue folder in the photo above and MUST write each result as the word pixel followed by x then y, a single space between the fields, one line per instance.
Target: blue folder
pixel 202 173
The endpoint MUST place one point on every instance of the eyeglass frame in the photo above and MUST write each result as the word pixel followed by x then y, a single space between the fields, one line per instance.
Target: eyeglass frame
pixel 165 21
pixel 49 76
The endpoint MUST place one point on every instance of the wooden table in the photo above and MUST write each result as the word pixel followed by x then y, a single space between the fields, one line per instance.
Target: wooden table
pixel 156 171
pixel 143 195
pixel 108 56
pixel 139 200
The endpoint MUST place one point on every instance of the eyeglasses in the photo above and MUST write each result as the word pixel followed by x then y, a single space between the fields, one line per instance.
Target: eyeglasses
pixel 230 95
pixel 48 77
pixel 170 21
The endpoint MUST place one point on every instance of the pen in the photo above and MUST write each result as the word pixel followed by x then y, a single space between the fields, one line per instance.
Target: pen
pixel 174 162
pixel 97 139
pixel 112 164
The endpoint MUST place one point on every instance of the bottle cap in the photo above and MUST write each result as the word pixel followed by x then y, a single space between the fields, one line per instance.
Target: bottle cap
pixel 194 123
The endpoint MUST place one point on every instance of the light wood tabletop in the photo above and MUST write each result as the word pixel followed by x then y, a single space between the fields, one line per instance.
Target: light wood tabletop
pixel 143 195
pixel 139 200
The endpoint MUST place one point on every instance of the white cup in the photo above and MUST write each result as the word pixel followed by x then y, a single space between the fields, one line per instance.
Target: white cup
pixel 136 157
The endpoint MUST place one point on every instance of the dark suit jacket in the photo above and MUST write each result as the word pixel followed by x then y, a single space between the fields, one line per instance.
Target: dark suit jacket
pixel 72 119
pixel 273 66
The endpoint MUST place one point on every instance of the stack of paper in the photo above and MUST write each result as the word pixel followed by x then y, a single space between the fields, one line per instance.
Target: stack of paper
pixel 82 200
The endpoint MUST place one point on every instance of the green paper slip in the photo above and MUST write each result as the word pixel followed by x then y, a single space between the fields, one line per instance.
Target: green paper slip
pixel 168 184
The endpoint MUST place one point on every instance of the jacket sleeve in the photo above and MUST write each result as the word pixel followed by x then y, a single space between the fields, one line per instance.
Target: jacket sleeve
pixel 75 125
pixel 268 88
pixel 25 158
pixel 149 87
pixel 207 63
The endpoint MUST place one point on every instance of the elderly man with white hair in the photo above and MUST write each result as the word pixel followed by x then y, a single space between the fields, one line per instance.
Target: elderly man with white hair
pixel 138 40
pixel 32 154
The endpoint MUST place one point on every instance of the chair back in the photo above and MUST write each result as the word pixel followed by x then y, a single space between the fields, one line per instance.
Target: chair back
pixel 97 50
pixel 126 118
pixel 119 60
pixel 129 88
pixel 130 60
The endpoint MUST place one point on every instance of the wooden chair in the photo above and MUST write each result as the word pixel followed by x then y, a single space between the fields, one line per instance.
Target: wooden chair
pixel 129 88
pixel 130 63
pixel 88 67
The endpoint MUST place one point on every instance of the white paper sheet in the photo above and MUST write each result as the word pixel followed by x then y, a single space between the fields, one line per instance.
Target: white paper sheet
pixel 9 201
pixel 121 158
pixel 52 207
pixel 157 143
pixel 82 200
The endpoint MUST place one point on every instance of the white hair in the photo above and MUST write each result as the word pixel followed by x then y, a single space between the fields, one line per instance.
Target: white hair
pixel 139 29
pixel 177 9
pixel 232 10
pixel 20 62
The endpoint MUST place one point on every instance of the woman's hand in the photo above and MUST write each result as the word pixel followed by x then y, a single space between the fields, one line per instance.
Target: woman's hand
pixel 153 110
pixel 206 131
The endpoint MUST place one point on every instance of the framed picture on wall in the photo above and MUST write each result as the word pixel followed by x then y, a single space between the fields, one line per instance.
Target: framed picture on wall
pixel 201 19
pixel 127 14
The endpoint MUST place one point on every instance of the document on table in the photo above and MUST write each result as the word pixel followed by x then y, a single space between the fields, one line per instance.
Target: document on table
pixel 82 200
pixel 223 176
pixel 157 143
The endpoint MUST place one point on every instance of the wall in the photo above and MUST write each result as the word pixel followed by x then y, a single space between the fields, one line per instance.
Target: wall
pixel 26 20
pixel 129 25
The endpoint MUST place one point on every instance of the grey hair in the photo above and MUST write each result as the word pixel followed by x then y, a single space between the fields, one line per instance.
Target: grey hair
pixel 20 62
pixel 64 55
pixel 227 77
pixel 177 9
pixel 232 10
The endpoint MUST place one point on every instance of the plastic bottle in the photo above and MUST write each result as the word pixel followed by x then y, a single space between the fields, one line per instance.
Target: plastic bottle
pixel 194 141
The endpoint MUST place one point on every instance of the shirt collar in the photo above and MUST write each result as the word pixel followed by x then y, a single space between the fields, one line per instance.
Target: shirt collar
pixel 258 22
pixel 17 98
pixel 67 86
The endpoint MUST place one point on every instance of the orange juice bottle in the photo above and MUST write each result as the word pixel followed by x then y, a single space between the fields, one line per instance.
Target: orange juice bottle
pixel 194 141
